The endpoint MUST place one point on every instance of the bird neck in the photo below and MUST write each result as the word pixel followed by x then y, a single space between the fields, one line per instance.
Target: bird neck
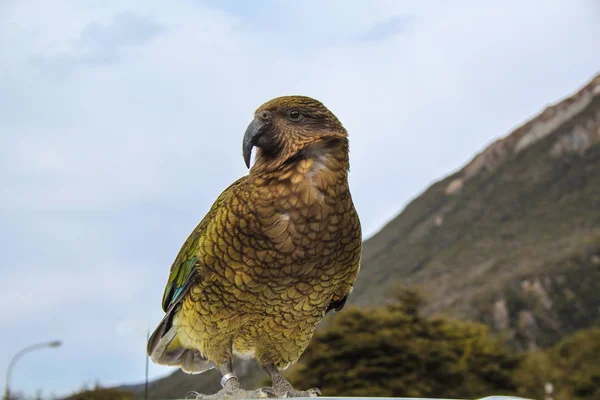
pixel 322 156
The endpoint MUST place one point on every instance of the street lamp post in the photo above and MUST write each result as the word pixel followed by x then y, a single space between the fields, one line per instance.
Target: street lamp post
pixel 20 354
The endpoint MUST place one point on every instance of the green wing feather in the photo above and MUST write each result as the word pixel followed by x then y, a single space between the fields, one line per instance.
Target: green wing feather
pixel 185 266
pixel 179 279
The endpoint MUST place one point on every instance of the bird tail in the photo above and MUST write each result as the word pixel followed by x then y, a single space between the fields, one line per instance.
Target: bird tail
pixel 164 348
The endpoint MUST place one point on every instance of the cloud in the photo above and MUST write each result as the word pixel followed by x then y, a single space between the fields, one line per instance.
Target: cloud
pixel 126 29
pixel 100 44
pixel 388 28
pixel 121 134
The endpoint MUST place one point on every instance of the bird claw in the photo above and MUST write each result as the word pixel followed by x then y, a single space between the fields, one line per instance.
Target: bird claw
pixel 313 392
pixel 270 392
pixel 261 393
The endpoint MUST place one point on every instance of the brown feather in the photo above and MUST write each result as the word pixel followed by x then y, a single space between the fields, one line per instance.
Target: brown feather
pixel 281 249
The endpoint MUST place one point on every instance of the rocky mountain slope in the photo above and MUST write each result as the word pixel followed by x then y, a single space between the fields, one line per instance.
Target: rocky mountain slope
pixel 513 238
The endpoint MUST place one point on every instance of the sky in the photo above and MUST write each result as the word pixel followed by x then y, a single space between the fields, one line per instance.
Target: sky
pixel 121 122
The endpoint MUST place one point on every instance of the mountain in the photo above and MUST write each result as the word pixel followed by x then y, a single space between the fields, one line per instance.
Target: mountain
pixel 512 239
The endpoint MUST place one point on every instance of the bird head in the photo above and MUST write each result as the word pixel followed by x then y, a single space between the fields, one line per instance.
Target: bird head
pixel 284 126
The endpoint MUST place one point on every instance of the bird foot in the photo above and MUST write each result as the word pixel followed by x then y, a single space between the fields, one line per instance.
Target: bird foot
pixel 313 392
pixel 285 390
pixel 234 393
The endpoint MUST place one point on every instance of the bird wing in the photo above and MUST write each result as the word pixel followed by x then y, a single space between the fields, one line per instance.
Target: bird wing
pixel 163 347
pixel 185 267
pixel 351 258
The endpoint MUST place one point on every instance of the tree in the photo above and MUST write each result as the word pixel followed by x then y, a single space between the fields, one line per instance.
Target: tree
pixel 572 367
pixel 393 351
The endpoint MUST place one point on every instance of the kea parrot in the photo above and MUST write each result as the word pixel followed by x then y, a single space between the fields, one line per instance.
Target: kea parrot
pixel 278 249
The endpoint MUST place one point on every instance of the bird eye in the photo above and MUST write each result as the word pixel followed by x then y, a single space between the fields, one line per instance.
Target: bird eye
pixel 295 115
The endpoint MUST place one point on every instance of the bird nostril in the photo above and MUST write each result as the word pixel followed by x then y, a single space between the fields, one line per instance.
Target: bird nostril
pixel 265 115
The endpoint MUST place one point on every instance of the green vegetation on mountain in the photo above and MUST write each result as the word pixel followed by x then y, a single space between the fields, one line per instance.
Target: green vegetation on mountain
pixel 392 351
pixel 395 351
pixel 572 367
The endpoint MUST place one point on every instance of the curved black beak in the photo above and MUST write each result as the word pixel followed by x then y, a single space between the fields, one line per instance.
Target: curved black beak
pixel 252 134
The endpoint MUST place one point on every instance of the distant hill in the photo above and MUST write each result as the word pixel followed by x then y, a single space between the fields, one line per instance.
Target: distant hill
pixel 512 239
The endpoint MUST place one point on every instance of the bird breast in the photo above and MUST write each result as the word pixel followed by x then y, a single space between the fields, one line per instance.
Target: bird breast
pixel 303 203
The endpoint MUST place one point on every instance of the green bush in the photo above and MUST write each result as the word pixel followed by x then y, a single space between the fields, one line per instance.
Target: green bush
pixel 393 351
pixel 572 367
